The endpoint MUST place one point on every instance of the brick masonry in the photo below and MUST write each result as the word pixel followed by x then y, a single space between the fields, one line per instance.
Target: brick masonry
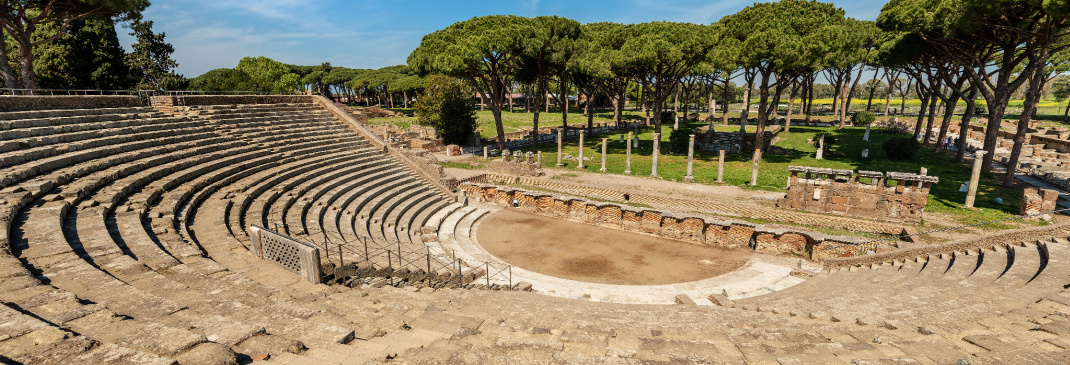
pixel 1036 201
pixel 690 228
pixel 15 103
pixel 823 190
pixel 705 206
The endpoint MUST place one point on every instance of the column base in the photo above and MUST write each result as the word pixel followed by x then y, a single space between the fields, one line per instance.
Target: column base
pixel 628 172
pixel 655 175
pixel 603 169
pixel 689 179
pixel 560 165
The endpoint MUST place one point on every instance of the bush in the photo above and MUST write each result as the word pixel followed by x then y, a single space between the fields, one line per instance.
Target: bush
pixel 668 116
pixel 862 118
pixel 678 140
pixel 830 140
pixel 901 149
pixel 444 105
pixel 692 116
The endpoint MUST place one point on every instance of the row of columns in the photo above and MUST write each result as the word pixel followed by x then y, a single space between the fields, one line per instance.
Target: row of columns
pixel 630 142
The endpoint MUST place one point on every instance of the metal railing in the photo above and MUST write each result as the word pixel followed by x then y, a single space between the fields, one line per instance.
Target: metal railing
pixel 395 255
pixel 872 244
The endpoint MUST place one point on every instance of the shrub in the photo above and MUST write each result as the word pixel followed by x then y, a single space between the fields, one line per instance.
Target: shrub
pixel 830 140
pixel 692 116
pixel 678 140
pixel 444 105
pixel 668 116
pixel 901 149
pixel 862 118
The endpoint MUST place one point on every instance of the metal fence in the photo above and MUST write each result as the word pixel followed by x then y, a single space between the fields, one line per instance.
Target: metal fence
pixel 396 255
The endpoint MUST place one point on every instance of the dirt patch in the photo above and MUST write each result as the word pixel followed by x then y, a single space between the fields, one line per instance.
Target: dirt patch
pixel 583 252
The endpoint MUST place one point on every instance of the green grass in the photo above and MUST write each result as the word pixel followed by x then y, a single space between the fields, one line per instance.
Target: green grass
pixel 772 175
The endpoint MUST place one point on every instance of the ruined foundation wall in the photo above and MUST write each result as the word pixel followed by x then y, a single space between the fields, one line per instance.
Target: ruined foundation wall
pixel 842 192
pixel 690 228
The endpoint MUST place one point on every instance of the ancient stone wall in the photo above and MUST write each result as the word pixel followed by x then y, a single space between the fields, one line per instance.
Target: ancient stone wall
pixel 842 192
pixel 690 228
pixel 192 100
pixel 731 142
pixel 1051 142
pixel 413 137
pixel 517 164
pixel 1036 201
pixel 13 103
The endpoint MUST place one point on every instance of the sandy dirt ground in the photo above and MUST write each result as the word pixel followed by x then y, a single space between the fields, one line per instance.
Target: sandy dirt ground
pixel 589 253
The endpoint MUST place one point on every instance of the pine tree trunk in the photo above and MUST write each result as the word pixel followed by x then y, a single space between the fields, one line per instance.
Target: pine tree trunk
pixel 964 126
pixel 921 115
pixel 1031 97
pixel 791 105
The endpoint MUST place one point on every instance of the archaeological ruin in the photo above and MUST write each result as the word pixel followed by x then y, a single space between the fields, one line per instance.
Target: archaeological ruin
pixel 283 230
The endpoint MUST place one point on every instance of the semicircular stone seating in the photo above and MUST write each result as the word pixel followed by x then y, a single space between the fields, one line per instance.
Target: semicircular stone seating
pixel 126 241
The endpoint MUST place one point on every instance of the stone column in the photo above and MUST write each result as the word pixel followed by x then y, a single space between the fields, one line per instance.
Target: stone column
pixel 560 138
pixel 821 147
pixel 865 137
pixel 603 169
pixel 690 158
pixel 654 156
pixel 628 155
pixel 720 167
pixel 485 153
pixel 975 177
pixel 540 158
pixel 580 159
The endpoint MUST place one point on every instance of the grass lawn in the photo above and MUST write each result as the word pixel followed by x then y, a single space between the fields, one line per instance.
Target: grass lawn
pixel 845 154
pixel 772 174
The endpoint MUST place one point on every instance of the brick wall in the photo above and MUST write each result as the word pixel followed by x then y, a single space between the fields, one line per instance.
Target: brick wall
pixel 14 103
pixel 664 202
pixel 684 227
pixel 191 100
pixel 841 192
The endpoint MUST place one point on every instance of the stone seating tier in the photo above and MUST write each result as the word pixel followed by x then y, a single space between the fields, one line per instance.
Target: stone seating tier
pixel 126 256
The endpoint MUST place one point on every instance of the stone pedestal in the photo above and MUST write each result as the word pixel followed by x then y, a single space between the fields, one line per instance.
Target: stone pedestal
pixel 720 167
pixel 628 155
pixel 654 155
pixel 560 140
pixel 690 158
pixel 603 169
pixel 486 153
pixel 975 178
pixel 821 147
pixel 580 159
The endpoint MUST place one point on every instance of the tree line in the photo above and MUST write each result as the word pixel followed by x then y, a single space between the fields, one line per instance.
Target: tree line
pixel 72 44
pixel 942 51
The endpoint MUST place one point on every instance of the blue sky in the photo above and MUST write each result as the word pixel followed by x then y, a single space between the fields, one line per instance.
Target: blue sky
pixel 210 34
